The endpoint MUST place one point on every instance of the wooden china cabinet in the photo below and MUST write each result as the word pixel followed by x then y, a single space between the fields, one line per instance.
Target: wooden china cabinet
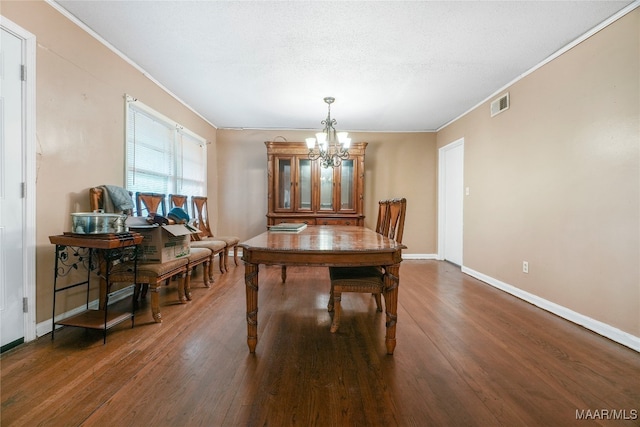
pixel 302 191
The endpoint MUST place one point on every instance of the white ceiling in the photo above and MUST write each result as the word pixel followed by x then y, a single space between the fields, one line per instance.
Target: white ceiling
pixel 391 65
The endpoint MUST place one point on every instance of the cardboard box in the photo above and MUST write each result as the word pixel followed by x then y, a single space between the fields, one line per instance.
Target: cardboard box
pixel 163 243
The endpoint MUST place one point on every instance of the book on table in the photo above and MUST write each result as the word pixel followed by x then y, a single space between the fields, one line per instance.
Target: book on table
pixel 290 227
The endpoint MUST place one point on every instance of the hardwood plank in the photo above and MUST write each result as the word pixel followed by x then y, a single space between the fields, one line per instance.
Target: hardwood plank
pixel 467 354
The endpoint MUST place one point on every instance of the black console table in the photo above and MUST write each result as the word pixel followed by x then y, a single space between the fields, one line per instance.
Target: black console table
pixel 93 253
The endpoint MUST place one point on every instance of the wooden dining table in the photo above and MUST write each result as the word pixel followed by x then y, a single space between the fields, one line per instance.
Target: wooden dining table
pixel 323 246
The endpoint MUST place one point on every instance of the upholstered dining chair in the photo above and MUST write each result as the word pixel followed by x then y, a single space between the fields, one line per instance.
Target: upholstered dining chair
pixel 382 225
pixel 200 213
pixel 391 215
pixel 153 276
pixel 197 253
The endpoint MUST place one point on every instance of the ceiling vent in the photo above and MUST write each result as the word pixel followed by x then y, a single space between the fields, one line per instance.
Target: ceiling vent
pixel 500 104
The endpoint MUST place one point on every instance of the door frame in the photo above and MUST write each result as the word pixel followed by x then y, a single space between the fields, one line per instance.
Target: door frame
pixel 29 172
pixel 441 195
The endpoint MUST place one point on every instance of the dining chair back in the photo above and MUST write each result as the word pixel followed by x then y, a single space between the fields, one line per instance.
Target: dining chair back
pixel 394 228
pixel 99 199
pixel 383 208
pixel 150 203
pixel 200 212
pixel 178 201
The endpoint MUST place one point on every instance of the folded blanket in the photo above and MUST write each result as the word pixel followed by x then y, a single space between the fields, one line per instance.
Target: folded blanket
pixel 117 198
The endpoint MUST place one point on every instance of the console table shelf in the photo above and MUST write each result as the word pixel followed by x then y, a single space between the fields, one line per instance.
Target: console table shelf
pixel 95 319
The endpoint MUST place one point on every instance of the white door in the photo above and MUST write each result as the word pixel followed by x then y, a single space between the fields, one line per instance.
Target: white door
pixel 11 191
pixel 451 195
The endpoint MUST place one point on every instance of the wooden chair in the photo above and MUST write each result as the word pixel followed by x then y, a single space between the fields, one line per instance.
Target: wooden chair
pixel 367 279
pixel 382 225
pixel 150 203
pixel 196 257
pixel 154 275
pixel 216 247
pixel 381 228
pixel 200 213
pixel 97 199
pixel 199 255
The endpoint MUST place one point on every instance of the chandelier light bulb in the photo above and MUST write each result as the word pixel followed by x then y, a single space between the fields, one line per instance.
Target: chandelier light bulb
pixel 322 138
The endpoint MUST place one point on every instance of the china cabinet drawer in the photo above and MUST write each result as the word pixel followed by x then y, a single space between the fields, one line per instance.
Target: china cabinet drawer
pixel 336 221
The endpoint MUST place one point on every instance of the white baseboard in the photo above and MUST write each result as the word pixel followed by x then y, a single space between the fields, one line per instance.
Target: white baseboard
pixel 44 327
pixel 596 326
pixel 419 256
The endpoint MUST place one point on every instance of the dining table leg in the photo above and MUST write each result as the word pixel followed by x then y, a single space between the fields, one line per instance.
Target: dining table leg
pixel 251 282
pixel 391 284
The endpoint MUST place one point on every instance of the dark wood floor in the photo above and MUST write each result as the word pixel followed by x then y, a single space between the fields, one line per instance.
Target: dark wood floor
pixel 467 354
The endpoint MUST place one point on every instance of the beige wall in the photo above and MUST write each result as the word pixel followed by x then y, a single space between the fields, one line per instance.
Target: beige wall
pixel 396 165
pixel 555 180
pixel 80 125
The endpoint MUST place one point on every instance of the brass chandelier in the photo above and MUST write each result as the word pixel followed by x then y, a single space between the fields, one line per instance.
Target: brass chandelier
pixel 330 146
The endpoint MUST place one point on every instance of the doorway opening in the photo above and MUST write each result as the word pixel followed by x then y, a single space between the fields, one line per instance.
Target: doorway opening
pixel 450 202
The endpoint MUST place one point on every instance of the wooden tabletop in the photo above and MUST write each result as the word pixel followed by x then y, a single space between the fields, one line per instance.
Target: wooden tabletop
pixel 103 241
pixel 330 245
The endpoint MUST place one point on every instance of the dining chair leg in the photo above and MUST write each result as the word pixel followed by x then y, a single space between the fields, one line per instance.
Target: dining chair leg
pixel 182 287
pixel 330 303
pixel 205 273
pixel 222 261
pixel 155 303
pixel 337 311
pixel 378 298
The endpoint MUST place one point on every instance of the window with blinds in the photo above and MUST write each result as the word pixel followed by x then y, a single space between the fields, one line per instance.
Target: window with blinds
pixel 162 156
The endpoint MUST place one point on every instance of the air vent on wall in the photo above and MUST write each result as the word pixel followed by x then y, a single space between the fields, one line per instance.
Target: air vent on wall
pixel 500 104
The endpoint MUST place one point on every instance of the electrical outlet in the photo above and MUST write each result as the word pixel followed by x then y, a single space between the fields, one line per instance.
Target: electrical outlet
pixel 525 266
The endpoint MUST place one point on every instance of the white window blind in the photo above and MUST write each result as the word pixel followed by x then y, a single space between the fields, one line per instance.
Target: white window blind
pixel 192 171
pixel 162 156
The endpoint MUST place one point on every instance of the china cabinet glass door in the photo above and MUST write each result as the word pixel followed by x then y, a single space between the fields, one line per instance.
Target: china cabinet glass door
pixel 326 189
pixel 347 187
pixel 304 185
pixel 283 184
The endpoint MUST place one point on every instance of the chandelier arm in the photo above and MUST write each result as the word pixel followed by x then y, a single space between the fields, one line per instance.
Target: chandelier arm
pixel 313 155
